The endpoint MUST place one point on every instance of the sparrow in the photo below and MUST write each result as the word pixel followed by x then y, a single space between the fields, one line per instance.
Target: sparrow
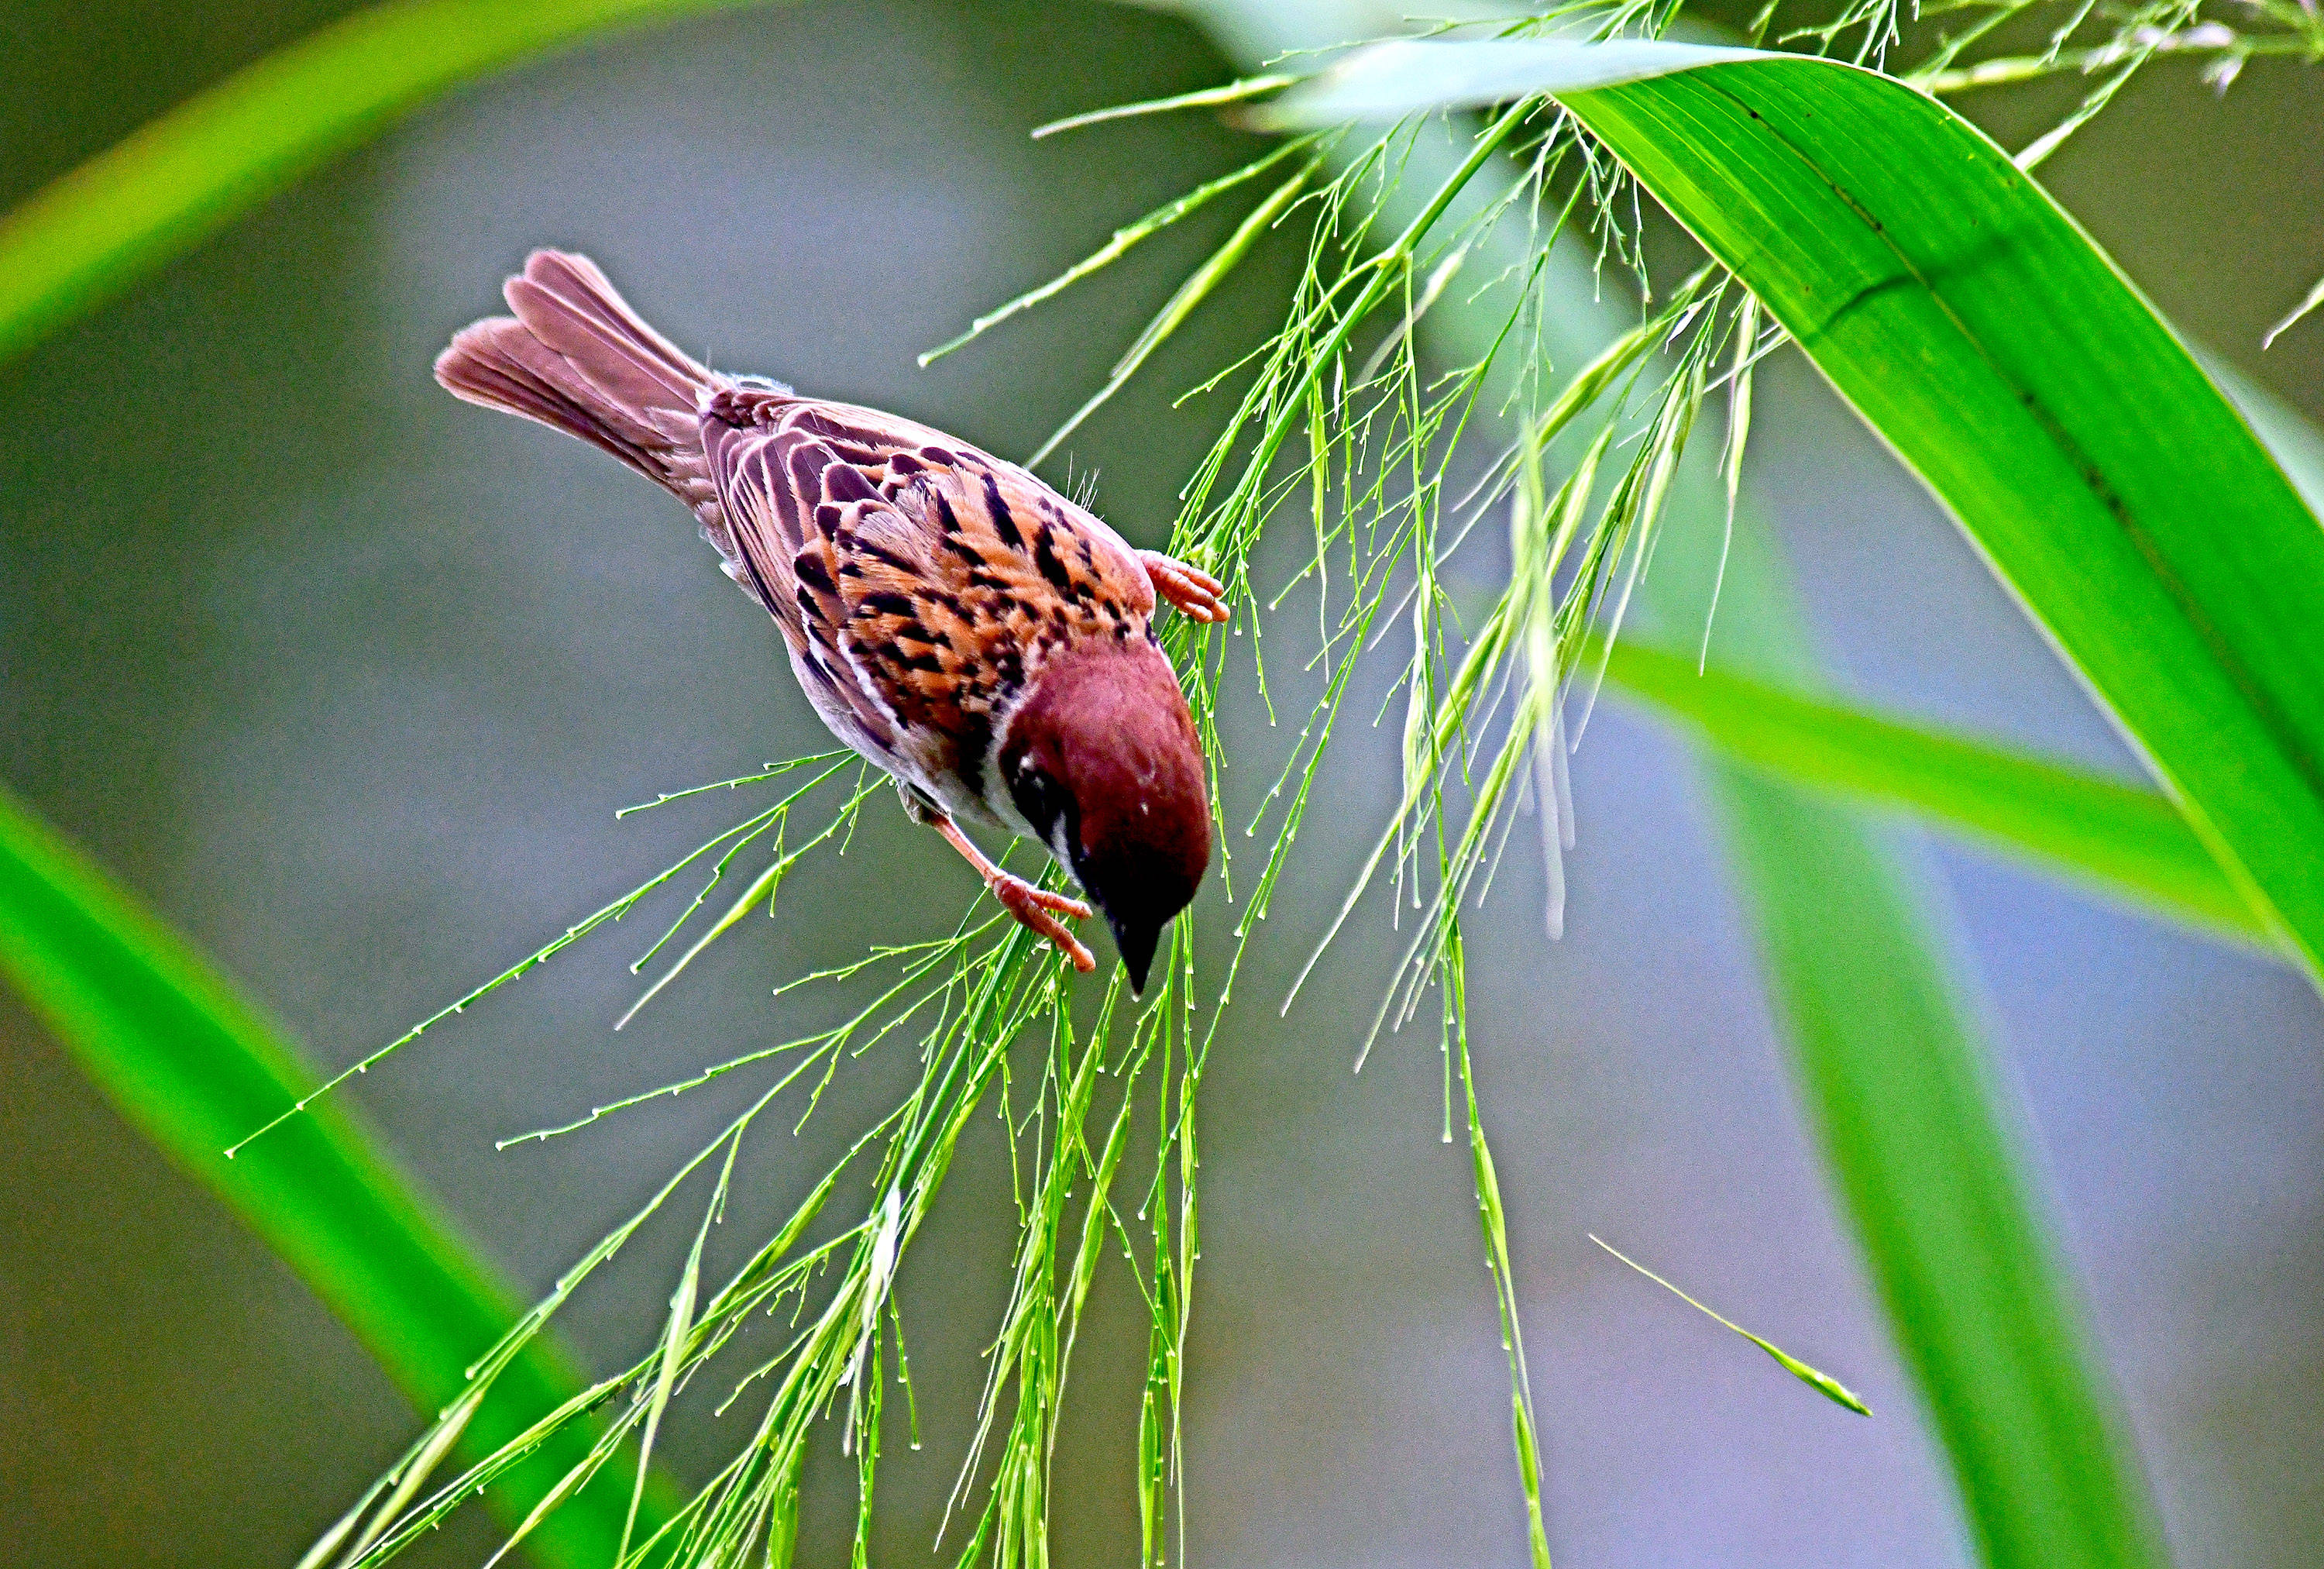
pixel 978 636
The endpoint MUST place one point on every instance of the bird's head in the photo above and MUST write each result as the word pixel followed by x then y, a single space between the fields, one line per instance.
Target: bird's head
pixel 1101 761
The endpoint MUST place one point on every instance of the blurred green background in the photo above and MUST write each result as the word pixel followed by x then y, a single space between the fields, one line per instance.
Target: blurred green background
pixel 346 678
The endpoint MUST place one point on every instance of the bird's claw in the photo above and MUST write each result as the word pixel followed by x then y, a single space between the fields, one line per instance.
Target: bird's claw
pixel 1194 592
pixel 1038 909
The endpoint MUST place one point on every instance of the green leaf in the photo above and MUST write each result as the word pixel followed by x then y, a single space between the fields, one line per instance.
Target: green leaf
pixel 1921 1142
pixel 2127 840
pixel 1979 331
pixel 194 1065
pixel 99 228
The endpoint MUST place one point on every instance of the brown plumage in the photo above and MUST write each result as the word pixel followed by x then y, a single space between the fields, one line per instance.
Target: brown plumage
pixel 957 622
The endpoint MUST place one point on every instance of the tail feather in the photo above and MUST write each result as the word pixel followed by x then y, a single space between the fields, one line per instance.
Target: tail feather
pixel 576 358
pixel 569 305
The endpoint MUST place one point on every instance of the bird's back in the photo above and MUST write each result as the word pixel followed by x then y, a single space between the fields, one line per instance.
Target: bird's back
pixel 921 584
pixel 918 576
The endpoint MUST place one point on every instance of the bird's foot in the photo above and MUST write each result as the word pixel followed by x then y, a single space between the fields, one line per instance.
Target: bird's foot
pixel 1195 592
pixel 1038 909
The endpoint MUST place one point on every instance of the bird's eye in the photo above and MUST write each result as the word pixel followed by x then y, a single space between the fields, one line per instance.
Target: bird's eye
pixel 1039 799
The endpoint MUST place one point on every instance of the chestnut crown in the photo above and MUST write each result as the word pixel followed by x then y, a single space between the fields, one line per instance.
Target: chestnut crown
pixel 1103 762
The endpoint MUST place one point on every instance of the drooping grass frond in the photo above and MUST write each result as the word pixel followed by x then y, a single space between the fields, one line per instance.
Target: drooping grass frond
pixel 978 990
pixel 1120 245
pixel 726 844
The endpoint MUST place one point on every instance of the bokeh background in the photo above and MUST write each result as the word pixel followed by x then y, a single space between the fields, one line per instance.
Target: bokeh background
pixel 347 679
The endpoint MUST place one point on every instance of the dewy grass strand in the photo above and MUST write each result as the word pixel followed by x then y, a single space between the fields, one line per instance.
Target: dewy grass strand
pixel 1823 1383
pixel 732 838
pixel 1120 245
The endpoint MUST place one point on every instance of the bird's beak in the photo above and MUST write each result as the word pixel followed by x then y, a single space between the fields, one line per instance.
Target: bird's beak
pixel 1137 945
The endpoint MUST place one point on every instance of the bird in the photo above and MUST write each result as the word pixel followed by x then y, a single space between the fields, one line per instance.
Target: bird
pixel 984 640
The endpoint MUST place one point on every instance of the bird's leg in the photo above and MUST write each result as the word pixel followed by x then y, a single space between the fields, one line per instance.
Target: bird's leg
pixel 1196 593
pixel 1037 907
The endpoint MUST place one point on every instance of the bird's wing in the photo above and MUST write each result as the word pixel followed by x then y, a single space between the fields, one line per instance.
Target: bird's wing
pixel 912 573
pixel 771 488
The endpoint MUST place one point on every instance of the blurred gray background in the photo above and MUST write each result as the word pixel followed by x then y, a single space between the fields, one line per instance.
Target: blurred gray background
pixel 347 679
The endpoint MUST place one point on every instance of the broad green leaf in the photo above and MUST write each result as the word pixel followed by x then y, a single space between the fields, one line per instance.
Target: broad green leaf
pixel 117 216
pixel 1997 350
pixel 2297 445
pixel 2128 840
pixel 194 1065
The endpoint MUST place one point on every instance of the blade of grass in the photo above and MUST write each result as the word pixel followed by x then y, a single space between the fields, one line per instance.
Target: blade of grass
pixel 1123 241
pixel 673 1350
pixel 1821 1382
pixel 97 230
pixel 1181 304
pixel 1206 97
pixel 2127 840
pixel 2308 304
pixel 193 1065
